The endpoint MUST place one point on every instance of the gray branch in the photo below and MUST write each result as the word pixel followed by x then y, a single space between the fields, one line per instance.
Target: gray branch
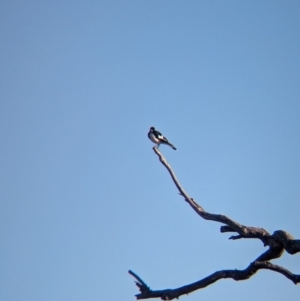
pixel 237 275
pixel 277 242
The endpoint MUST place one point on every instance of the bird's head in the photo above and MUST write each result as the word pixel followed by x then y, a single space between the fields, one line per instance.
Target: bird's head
pixel 152 128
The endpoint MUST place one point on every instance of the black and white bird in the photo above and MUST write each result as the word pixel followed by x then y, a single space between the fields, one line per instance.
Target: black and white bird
pixel 157 138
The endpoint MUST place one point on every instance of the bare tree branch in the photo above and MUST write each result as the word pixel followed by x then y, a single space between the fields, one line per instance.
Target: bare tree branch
pixel 277 242
pixel 237 275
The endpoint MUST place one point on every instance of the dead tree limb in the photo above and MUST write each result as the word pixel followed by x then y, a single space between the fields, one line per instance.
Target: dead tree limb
pixel 237 275
pixel 279 239
pixel 278 242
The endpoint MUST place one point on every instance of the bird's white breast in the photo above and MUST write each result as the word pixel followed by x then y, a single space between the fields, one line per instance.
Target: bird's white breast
pixel 153 138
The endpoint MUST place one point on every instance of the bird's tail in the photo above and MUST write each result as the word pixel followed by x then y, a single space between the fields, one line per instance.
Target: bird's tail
pixel 172 146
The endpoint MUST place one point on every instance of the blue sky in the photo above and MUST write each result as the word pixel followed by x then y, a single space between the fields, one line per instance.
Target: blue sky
pixel 83 197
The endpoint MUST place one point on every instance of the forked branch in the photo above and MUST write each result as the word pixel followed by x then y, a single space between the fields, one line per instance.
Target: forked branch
pixel 277 242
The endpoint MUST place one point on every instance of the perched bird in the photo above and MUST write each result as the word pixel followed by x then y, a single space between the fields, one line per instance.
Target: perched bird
pixel 157 138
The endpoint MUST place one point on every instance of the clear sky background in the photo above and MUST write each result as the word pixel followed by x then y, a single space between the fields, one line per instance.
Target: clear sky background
pixel 83 196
